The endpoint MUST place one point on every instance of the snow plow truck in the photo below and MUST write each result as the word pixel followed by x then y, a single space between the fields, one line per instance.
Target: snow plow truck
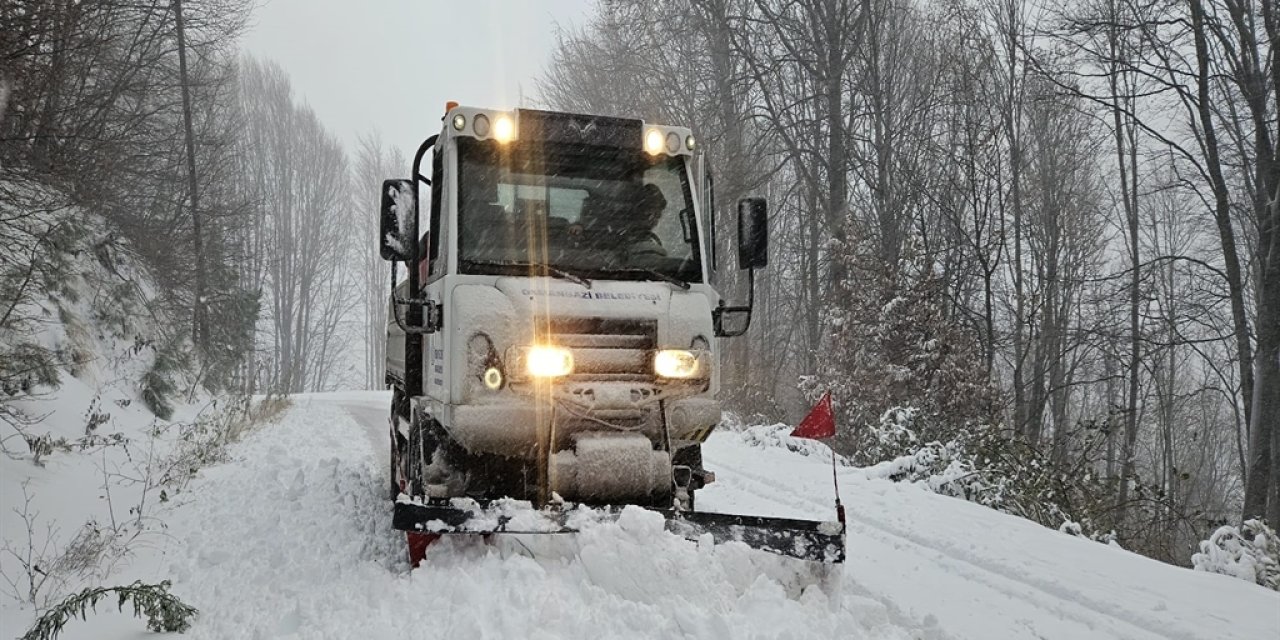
pixel 553 349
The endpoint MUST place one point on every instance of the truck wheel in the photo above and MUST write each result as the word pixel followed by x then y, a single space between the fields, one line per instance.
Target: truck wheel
pixel 428 459
pixel 397 444
pixel 415 461
pixel 394 473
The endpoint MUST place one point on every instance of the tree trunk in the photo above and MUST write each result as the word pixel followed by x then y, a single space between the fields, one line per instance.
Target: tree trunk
pixel 1264 431
pixel 1012 117
pixel 1126 162
pixel 199 328
pixel 1255 499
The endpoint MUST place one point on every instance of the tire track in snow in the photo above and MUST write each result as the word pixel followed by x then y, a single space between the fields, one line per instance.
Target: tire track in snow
pixel 1129 623
pixel 786 500
pixel 1043 594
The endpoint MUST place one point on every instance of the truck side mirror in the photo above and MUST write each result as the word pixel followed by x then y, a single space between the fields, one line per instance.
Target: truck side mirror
pixel 398 223
pixel 753 233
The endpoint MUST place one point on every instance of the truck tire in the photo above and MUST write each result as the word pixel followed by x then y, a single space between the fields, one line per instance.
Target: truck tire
pixel 394 453
pixel 416 459
pixel 397 443
pixel 430 460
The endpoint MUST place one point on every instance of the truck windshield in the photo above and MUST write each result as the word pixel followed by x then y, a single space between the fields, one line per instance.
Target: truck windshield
pixel 593 213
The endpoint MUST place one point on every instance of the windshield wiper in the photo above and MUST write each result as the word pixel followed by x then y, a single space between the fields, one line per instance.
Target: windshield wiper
pixel 658 275
pixel 552 270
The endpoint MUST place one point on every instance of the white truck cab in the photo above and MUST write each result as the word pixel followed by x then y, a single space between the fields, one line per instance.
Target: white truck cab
pixel 556 335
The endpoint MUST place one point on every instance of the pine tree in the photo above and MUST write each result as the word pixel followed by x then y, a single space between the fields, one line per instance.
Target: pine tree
pixel 895 344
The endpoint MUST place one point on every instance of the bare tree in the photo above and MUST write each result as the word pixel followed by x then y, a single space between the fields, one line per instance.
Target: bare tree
pixel 373 164
pixel 1084 195
pixel 95 111
pixel 297 175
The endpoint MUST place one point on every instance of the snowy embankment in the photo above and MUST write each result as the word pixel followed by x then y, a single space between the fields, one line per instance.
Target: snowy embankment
pixel 90 356
pixel 292 539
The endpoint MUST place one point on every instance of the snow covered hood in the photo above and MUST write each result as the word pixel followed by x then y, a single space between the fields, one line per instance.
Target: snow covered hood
pixel 681 314
pixel 500 312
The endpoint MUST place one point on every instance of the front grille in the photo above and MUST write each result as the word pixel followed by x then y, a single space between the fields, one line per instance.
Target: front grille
pixel 607 349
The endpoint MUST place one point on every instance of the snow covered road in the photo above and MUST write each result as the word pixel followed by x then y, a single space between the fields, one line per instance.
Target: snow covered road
pixel 303 548
pixel 292 539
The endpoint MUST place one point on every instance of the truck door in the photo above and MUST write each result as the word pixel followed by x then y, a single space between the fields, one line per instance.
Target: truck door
pixel 707 202
pixel 434 267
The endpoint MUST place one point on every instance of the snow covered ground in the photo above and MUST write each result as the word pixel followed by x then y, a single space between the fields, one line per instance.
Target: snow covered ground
pixel 292 539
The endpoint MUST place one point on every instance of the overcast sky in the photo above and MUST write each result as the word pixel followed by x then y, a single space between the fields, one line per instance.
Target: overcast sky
pixel 390 65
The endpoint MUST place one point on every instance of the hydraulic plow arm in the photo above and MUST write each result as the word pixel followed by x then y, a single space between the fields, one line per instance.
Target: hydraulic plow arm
pixel 805 539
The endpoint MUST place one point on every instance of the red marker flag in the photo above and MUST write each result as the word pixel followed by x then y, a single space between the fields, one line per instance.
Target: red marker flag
pixel 820 423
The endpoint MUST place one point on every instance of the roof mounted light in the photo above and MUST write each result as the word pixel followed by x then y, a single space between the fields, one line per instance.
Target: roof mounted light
pixel 504 130
pixel 480 124
pixel 653 142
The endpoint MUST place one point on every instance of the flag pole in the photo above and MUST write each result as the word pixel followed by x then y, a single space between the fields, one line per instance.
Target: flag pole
pixel 819 424
pixel 836 481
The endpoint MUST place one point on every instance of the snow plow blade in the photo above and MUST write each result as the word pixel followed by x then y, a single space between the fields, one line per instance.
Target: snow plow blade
pixel 804 539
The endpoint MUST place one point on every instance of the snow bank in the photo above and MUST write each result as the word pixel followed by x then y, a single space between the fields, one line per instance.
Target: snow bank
pixel 87 466
pixel 777 436
pixel 1250 552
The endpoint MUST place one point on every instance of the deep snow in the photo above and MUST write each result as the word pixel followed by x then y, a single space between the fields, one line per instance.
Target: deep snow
pixel 292 539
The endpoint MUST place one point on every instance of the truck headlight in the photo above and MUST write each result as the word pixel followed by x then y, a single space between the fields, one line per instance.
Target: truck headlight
pixel 547 361
pixel 493 378
pixel 677 363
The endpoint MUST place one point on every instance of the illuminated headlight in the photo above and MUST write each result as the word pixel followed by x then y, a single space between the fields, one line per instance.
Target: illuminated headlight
pixel 504 130
pixel 545 361
pixel 677 363
pixel 654 142
pixel 689 142
pixel 459 122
